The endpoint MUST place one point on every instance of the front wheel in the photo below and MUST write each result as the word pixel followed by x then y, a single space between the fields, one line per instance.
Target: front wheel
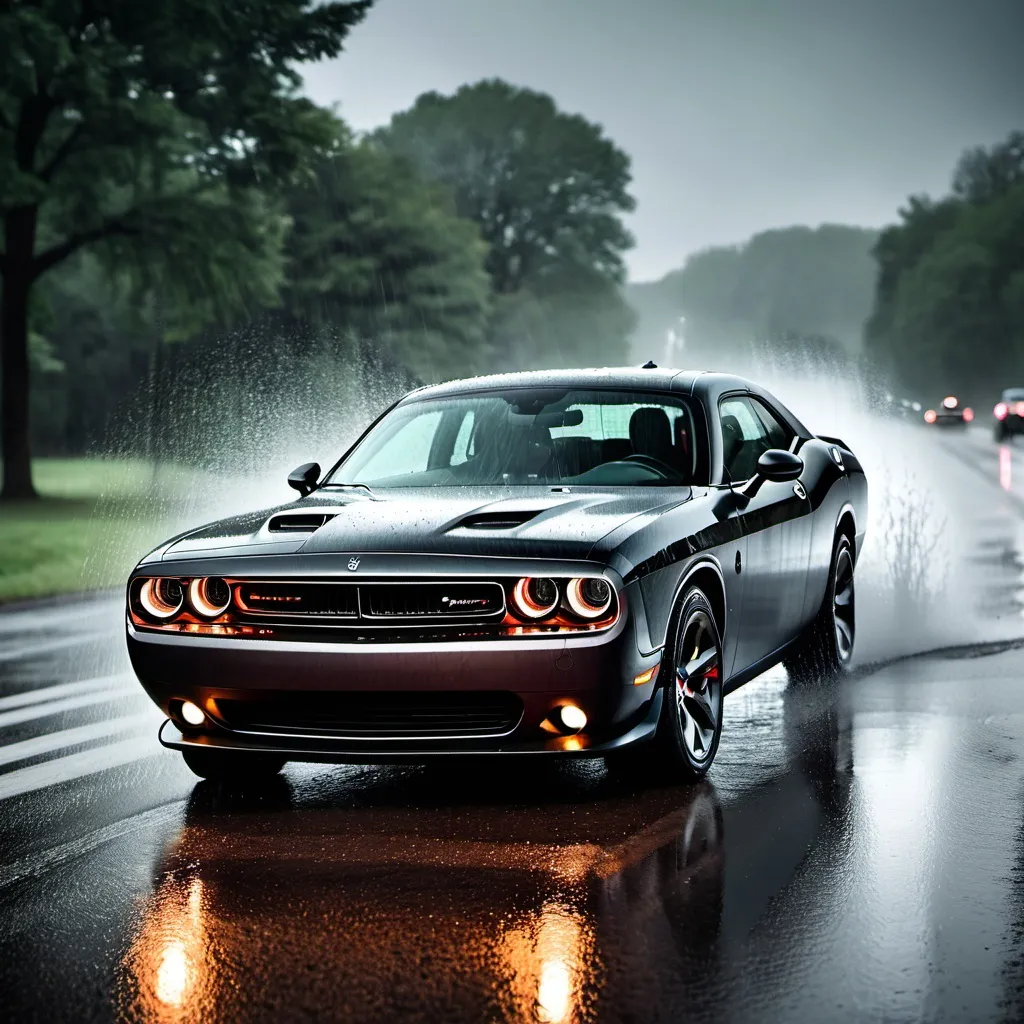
pixel 824 650
pixel 232 766
pixel 691 715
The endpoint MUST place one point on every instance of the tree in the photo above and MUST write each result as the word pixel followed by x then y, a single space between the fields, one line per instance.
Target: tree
pixel 983 175
pixel 957 318
pixel 151 131
pixel 380 255
pixel 547 190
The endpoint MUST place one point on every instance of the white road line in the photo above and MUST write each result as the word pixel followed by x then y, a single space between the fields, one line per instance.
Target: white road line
pixel 76 766
pixel 43 693
pixel 80 734
pixel 54 707
pixel 17 653
pixel 39 863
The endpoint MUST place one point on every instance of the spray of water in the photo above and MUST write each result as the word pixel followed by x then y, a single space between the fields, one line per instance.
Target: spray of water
pixel 221 440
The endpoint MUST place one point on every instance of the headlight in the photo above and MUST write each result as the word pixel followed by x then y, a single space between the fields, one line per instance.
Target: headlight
pixel 534 598
pixel 588 598
pixel 161 598
pixel 209 596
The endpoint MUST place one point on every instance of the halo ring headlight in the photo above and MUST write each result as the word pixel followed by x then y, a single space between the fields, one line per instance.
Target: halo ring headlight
pixel 161 597
pixel 209 596
pixel 535 598
pixel 589 598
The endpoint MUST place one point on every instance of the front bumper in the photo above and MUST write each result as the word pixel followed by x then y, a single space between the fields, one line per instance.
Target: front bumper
pixel 595 673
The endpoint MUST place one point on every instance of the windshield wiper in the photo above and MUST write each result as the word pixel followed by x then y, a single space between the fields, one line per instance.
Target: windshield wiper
pixel 362 487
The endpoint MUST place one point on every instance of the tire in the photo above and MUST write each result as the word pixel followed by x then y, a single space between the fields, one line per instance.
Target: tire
pixel 229 766
pixel 1000 433
pixel 691 712
pixel 669 758
pixel 823 652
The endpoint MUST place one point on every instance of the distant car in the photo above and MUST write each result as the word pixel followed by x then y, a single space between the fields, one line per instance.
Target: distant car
pixel 949 414
pixel 572 562
pixel 1009 414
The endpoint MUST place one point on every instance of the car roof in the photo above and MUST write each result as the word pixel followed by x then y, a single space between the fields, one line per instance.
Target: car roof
pixel 629 378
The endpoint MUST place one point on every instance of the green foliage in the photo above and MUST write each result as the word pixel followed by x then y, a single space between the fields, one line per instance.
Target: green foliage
pixel 983 175
pixel 547 190
pixel 159 132
pixel 381 256
pixel 568 320
pixel 949 309
pixel 784 284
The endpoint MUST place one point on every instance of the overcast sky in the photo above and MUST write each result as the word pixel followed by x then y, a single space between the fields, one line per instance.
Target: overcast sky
pixel 739 115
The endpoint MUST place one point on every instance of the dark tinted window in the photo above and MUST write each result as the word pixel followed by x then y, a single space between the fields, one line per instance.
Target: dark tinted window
pixel 523 437
pixel 748 430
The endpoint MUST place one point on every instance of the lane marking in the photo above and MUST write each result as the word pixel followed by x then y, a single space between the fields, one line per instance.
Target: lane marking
pixel 80 734
pixel 38 864
pixel 54 707
pixel 17 700
pixel 77 766
pixel 51 645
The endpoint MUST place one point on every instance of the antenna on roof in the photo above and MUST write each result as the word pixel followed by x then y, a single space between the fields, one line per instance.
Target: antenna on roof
pixel 649 365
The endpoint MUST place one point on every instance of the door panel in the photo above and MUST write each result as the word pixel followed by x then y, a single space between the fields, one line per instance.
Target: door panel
pixel 775 519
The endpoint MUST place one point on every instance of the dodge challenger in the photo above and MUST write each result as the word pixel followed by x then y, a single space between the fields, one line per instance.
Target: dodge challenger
pixel 570 563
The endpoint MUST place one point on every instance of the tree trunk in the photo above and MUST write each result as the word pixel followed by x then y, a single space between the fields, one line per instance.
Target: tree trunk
pixel 17 467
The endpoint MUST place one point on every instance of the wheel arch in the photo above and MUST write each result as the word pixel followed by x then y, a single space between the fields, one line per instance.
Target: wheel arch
pixel 707 575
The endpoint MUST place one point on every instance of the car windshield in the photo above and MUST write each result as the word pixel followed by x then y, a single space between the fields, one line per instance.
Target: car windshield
pixel 1013 395
pixel 530 437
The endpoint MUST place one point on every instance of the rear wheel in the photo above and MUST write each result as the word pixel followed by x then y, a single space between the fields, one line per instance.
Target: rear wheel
pixel 1000 432
pixel 824 650
pixel 232 766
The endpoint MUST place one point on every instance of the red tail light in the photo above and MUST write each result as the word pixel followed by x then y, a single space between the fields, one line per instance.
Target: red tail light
pixel 968 414
pixel 1020 409
pixel 929 416
pixel 1002 410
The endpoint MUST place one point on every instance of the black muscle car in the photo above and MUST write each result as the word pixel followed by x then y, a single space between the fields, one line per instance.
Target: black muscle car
pixel 575 562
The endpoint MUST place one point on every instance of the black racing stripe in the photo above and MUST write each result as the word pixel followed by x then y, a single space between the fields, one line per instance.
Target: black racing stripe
pixel 723 532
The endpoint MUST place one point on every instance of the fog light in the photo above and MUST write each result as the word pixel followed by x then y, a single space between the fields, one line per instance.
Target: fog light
pixel 572 717
pixel 192 713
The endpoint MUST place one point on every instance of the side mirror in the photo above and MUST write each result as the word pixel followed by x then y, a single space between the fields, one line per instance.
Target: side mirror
pixel 304 479
pixel 776 464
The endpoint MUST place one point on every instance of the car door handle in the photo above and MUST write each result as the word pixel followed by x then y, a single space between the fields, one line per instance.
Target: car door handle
pixel 798 490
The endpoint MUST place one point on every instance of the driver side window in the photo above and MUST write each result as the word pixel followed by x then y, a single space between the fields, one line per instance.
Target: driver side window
pixel 748 431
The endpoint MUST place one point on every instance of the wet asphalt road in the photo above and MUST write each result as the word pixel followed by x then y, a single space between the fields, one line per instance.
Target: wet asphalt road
pixel 857 853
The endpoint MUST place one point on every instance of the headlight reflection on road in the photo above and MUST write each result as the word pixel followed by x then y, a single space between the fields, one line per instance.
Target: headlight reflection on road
pixel 549 959
pixel 1005 463
pixel 167 959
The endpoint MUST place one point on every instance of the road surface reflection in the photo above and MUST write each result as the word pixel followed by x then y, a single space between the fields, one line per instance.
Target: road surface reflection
pixel 539 892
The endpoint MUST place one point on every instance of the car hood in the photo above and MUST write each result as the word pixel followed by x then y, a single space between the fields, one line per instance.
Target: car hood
pixel 457 521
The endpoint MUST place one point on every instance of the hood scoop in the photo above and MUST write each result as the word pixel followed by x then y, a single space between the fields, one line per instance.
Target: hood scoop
pixel 299 522
pixel 507 519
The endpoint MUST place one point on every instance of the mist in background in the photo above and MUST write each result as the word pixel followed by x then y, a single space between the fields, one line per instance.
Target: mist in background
pixel 739 115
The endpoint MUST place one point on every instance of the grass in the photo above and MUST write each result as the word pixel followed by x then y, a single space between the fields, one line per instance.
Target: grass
pixel 93 521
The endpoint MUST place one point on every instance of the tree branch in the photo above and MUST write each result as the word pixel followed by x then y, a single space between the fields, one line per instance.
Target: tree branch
pixel 54 255
pixel 61 152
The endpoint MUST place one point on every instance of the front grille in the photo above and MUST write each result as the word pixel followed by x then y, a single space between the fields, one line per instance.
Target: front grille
pixel 373 603
pixel 300 600
pixel 377 715
pixel 431 600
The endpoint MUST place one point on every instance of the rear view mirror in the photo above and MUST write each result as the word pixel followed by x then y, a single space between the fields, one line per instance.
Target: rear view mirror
pixel 776 464
pixel 569 418
pixel 305 478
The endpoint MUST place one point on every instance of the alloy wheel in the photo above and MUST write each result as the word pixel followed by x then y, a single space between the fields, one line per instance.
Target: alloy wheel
pixel 698 687
pixel 842 604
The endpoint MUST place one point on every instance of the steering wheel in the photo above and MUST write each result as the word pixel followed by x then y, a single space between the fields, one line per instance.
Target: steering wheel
pixel 663 469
